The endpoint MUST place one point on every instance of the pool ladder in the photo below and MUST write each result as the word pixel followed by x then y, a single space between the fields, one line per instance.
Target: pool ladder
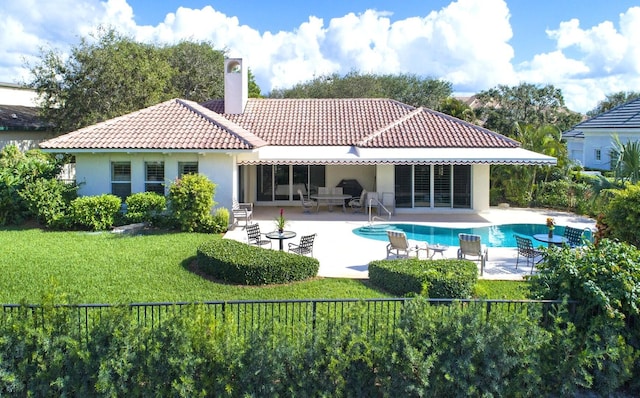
pixel 380 207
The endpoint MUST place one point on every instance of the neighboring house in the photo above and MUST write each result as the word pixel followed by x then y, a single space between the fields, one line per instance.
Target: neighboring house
pixel 590 142
pixel 263 150
pixel 19 121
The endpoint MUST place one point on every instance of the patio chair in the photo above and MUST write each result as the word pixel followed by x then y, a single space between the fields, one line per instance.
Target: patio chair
pixel 304 247
pixel 307 204
pixel 471 245
pixel 401 247
pixel 242 211
pixel 575 237
pixel 255 237
pixel 358 204
pixel 526 250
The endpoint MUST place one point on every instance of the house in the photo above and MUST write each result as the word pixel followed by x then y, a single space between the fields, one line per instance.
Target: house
pixel 590 142
pixel 263 150
pixel 20 124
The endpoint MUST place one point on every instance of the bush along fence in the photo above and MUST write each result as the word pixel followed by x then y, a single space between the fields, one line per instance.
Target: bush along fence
pixel 381 347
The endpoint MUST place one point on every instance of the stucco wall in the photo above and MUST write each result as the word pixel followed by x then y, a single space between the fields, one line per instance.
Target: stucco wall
pixel 93 171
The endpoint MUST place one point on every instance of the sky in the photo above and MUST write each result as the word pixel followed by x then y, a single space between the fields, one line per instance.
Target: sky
pixel 587 48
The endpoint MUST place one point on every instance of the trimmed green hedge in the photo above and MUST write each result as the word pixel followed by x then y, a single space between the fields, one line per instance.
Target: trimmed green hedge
pixel 432 278
pixel 237 262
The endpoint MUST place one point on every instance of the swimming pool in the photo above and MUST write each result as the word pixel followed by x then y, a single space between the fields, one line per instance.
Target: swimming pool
pixel 492 236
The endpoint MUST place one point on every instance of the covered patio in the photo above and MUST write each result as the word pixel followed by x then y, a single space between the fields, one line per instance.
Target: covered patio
pixel 343 254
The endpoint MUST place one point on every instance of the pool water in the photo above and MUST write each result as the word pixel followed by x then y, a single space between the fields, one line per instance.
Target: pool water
pixel 492 236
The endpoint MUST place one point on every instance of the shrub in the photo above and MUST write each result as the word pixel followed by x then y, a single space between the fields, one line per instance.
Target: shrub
pixel 49 201
pixel 433 278
pixel 95 212
pixel 622 215
pixel 144 207
pixel 237 262
pixel 605 280
pixel 191 201
pixel 221 220
pixel 458 351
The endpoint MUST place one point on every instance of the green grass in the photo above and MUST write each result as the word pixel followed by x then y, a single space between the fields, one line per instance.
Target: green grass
pixel 109 268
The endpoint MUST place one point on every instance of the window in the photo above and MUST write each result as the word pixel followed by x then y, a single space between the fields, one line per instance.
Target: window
pixel 421 186
pixel 121 179
pixel 305 178
pixel 403 185
pixel 439 185
pixel 598 154
pixel 154 177
pixel 462 187
pixel 187 168
pixel 442 185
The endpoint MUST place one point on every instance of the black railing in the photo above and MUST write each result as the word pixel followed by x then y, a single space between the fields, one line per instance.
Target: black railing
pixel 298 316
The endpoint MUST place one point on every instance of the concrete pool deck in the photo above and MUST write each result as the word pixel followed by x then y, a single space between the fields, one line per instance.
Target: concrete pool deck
pixel 343 254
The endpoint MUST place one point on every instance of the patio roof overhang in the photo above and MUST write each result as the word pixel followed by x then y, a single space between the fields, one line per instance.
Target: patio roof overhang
pixel 350 155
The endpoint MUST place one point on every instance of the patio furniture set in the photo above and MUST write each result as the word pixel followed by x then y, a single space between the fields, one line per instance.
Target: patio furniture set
pixel 331 197
pixel 471 246
pixel 257 238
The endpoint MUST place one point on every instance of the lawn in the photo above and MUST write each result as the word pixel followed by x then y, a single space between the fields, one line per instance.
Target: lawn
pixel 108 268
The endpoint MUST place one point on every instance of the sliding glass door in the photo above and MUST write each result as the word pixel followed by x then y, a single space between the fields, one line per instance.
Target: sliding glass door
pixel 282 182
pixel 433 186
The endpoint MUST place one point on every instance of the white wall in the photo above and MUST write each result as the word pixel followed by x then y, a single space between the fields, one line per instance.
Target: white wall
pixel 93 172
pixel 480 186
pixel 11 94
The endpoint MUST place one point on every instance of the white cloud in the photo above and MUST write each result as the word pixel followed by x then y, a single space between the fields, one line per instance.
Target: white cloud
pixel 467 43
pixel 590 62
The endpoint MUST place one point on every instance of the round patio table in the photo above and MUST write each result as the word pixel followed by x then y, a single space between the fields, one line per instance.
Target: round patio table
pixel 437 248
pixel 557 240
pixel 280 236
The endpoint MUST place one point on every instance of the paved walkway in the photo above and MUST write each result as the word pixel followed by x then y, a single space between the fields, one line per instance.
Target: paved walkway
pixel 342 254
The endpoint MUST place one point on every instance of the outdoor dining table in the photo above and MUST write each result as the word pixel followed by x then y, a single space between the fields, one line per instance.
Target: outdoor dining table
pixel 330 199
pixel 280 236
pixel 557 240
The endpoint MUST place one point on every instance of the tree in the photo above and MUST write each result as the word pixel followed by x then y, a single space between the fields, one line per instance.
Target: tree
pixel 101 80
pixel 198 71
pixel 109 75
pixel 456 108
pixel 503 107
pixel 612 100
pixel 406 88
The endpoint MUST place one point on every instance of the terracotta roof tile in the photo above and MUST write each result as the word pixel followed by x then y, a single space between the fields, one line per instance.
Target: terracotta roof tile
pixel 174 124
pixel 374 123
pixel 381 123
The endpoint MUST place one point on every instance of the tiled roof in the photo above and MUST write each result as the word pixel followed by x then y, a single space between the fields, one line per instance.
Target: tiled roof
pixel 621 117
pixel 371 123
pixel 174 124
pixel 362 122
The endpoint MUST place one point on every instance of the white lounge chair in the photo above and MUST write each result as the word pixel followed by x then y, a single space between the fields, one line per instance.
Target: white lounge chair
pixel 401 247
pixel 471 245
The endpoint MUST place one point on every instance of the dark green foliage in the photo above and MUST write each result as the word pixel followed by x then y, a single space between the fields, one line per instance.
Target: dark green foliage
pixel 406 88
pixel 622 215
pixel 191 201
pixel 144 207
pixel 49 200
pixel 237 262
pixel 458 351
pixel 18 169
pixel 96 213
pixel 613 100
pixel 605 281
pixel 432 278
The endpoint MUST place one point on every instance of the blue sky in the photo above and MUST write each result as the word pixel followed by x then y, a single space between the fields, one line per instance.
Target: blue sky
pixel 586 48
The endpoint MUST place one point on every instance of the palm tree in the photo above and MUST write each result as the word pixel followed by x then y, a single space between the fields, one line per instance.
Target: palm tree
pixel 625 160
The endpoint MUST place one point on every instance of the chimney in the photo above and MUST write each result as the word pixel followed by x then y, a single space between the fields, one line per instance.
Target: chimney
pixel 236 87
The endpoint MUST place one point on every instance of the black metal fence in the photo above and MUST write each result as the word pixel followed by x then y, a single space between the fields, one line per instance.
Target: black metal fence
pixel 299 316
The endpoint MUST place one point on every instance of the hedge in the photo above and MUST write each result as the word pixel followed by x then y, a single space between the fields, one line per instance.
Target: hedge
pixel 237 262
pixel 445 278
